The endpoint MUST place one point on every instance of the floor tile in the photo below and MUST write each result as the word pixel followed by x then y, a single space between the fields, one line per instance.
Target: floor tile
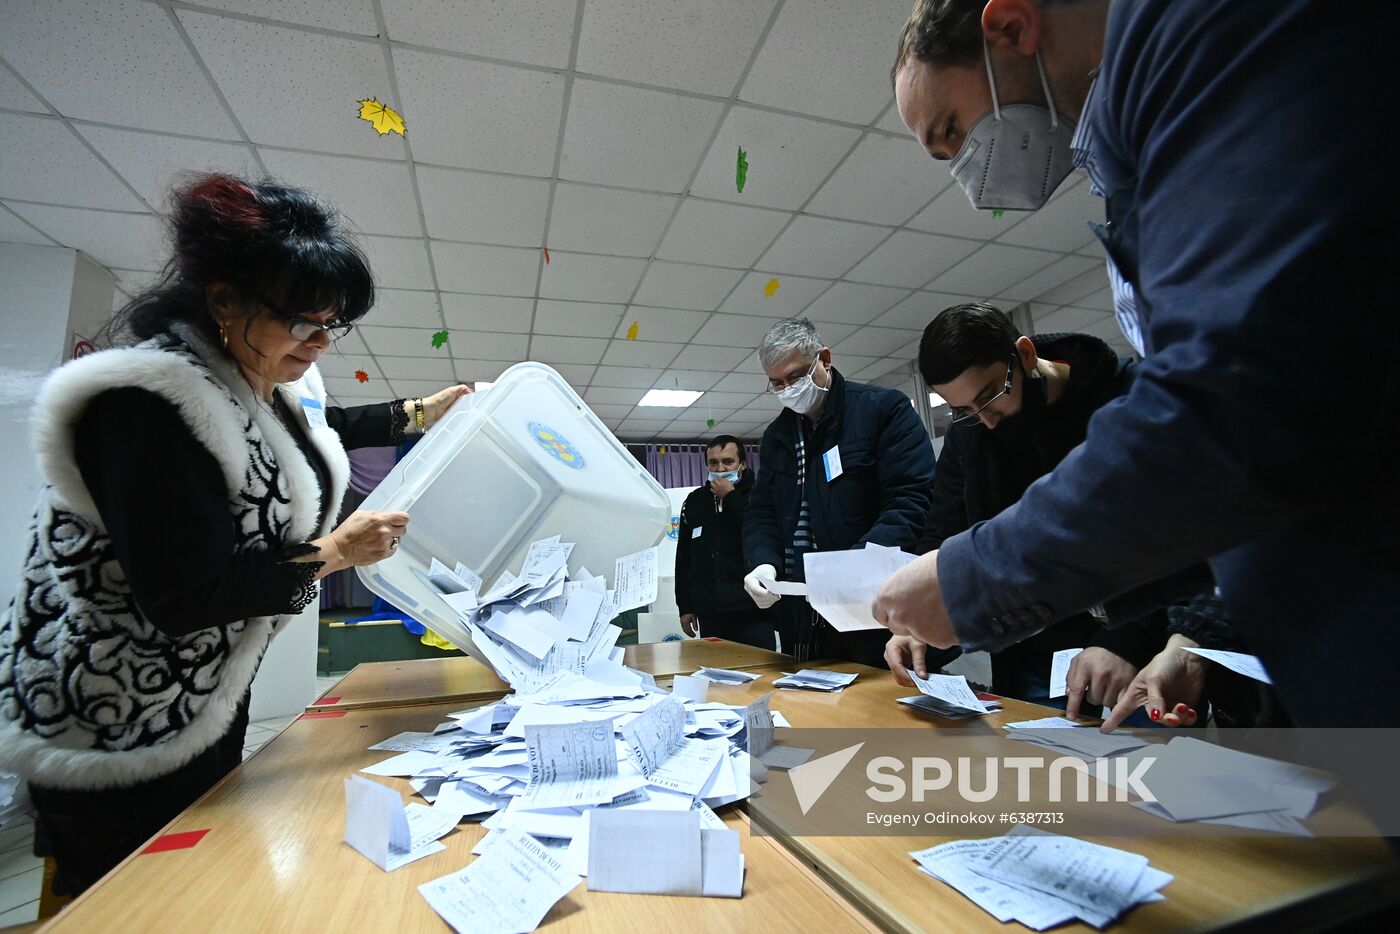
pixel 21 889
pixel 20 914
pixel 16 835
pixel 20 859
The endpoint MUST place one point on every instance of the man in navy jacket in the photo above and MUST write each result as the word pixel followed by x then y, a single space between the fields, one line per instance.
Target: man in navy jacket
pixel 1251 240
pixel 844 464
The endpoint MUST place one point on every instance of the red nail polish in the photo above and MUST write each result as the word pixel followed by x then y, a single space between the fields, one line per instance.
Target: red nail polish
pixel 1180 708
pixel 1155 714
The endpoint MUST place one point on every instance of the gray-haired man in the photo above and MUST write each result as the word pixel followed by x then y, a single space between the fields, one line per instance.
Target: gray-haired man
pixel 844 464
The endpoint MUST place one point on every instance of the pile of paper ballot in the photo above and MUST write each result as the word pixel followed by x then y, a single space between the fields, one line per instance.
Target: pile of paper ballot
pixel 587 769
pixel 1042 879
pixel 948 696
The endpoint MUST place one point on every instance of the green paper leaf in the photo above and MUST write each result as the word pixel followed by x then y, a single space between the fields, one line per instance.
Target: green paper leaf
pixel 997 212
pixel 709 423
pixel 742 172
pixel 439 339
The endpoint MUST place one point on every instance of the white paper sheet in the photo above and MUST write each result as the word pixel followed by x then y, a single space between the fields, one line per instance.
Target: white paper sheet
pixel 691 689
pixel 1059 670
pixel 950 689
pixel 507 890
pixel 1248 665
pixel 725 675
pixel 635 579
pixel 841 585
pixel 571 764
pixel 377 825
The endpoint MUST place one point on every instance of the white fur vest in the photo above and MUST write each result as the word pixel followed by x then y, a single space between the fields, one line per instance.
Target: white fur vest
pixel 91 694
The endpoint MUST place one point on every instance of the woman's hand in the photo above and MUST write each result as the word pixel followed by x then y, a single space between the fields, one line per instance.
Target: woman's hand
pixel 1169 688
pixel 363 538
pixel 436 405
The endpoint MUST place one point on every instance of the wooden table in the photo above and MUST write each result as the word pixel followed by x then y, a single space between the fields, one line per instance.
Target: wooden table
pixel 1284 882
pixel 458 680
pixel 274 860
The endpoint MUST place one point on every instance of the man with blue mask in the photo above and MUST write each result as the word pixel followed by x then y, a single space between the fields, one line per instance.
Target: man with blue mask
pixel 1249 236
pixel 710 553
pixel 844 464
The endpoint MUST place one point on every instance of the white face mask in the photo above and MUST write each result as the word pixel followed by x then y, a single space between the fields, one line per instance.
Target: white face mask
pixel 1015 156
pixel 804 395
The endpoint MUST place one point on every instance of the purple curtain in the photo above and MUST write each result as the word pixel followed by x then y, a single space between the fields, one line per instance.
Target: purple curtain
pixel 683 465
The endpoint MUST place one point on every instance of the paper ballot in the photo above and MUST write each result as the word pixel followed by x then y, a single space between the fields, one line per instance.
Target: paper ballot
pixel 783 588
pixel 571 764
pixel 662 853
pixel 635 580
pixel 379 826
pixel 725 675
pixel 1059 670
pixel 657 744
pixel 841 585
pixel 507 890
pixel 952 690
pixel 1248 665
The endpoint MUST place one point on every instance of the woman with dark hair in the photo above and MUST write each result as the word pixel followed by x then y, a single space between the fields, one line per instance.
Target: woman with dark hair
pixel 192 483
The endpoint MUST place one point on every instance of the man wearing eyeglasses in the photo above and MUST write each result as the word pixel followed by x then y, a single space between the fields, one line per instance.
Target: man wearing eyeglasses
pixel 1019 406
pixel 844 464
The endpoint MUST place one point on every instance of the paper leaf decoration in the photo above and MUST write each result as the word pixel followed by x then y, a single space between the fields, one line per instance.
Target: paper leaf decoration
pixel 439 339
pixel 661 450
pixel 382 117
pixel 741 173
pixel 632 331
pixel 771 288
pixel 362 376
pixel 998 212
pixel 709 423
pixel 546 256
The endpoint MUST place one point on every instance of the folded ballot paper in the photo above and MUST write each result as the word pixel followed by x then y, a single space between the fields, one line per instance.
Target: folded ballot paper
pixel 1066 737
pixel 725 675
pixel 1042 879
pixel 580 735
pixel 814 679
pixel 841 585
pixel 948 696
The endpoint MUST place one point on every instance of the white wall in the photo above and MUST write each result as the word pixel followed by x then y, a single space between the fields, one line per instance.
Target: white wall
pixel 36 296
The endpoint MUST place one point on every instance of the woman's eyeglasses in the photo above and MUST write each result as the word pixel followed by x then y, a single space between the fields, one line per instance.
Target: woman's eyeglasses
pixel 303 329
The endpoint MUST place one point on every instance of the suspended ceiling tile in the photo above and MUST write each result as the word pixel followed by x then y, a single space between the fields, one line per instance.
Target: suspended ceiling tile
pixel 720 234
pixel 885 181
pixel 289 87
pixel 487 313
pixel 659 324
pixel 787 156
pixel 874 342
pixel 916 311
pixel 853 303
pixel 1069 319
pixel 582 277
pixel 404 308
pixel 489 345
pixel 44 161
pixel 398 263
pixel 576 375
pixel 749 383
pixel 480 370
pixel 1086 283
pixel 478 115
pixel 128 241
pixel 489 270
pixel 400 342
pixel 792 295
pixel 952 214
pixel 355 16
pixel 1057 273
pixel 743 331
pixel 910 259
pixel 678 285
pixel 640 353
pixel 992 269
pixel 698 47
pixel 568 349
pixel 829 58
pixel 15 230
pixel 417 388
pixel 625 377
pixel 538 32
pixel 118 61
pixel 420 367
pixel 635 137
pixel 816 246
pixel 153 163
pixel 375 197
pixel 1063 224
pixel 724 358
pixel 15 96
pixel 610 396
pixel 694 380
pixel 576 319
pixel 608 220
pixel 461 205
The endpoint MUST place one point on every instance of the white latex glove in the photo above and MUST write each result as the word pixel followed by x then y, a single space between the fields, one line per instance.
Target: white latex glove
pixel 761 595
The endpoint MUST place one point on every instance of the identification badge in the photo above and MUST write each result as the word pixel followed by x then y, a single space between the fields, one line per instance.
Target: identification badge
pixel 695 532
pixel 315 412
pixel 831 460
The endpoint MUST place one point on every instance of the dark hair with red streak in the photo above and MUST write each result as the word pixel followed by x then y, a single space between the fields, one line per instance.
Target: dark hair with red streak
pixel 264 239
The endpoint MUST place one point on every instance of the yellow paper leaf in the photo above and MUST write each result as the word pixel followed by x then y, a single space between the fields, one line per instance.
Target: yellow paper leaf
pixel 632 332
pixel 381 116
pixel 771 288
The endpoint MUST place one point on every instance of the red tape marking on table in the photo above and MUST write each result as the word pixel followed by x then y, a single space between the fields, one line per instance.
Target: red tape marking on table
pixel 322 714
pixel 175 841
pixel 329 700
pixel 713 639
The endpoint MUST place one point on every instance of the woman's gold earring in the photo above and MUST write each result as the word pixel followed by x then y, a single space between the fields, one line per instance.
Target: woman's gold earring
pixel 223 337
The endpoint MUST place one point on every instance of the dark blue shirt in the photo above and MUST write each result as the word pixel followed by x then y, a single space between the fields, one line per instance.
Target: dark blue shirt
pixel 1251 196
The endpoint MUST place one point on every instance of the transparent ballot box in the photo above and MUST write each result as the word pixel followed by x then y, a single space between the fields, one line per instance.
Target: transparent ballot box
pixel 523 460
